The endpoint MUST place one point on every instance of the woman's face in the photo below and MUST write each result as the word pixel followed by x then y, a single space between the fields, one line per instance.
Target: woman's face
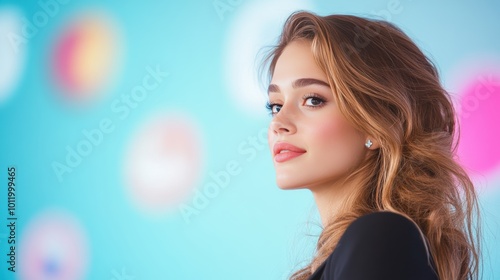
pixel 306 115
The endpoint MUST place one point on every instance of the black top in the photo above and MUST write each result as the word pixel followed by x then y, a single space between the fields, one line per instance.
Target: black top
pixel 380 245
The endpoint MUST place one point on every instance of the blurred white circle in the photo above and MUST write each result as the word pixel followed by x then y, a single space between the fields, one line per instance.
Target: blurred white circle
pixel 12 50
pixel 257 24
pixel 164 162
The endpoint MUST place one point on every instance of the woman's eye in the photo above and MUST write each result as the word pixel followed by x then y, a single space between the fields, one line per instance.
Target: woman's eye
pixel 315 101
pixel 273 108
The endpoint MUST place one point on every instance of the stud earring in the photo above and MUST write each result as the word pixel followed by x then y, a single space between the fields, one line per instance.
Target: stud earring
pixel 368 143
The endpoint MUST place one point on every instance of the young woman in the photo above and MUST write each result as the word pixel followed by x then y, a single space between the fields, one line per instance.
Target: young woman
pixel 359 118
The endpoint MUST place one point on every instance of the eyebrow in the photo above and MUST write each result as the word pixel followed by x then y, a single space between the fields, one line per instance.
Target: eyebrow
pixel 299 83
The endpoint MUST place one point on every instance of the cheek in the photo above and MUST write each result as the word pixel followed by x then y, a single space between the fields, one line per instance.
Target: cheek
pixel 337 136
pixel 330 132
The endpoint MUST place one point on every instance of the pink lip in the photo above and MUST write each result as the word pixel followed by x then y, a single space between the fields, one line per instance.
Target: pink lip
pixel 293 151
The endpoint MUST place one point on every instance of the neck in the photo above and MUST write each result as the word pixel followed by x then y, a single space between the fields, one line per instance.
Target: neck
pixel 330 197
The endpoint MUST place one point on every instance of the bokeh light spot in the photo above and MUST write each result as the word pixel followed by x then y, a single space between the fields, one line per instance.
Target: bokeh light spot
pixel 12 51
pixel 243 48
pixel 164 162
pixel 86 56
pixel 479 118
pixel 53 247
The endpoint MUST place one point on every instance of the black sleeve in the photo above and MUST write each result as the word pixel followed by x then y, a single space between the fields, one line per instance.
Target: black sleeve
pixel 381 245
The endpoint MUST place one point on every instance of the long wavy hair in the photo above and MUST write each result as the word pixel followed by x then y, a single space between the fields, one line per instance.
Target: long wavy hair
pixel 386 87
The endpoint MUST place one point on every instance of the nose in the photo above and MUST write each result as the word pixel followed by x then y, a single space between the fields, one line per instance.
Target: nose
pixel 282 123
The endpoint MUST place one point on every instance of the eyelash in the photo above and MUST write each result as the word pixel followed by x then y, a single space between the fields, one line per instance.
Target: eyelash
pixel 269 106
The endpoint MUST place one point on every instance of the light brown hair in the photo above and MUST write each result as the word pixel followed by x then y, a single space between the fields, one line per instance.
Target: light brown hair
pixel 385 86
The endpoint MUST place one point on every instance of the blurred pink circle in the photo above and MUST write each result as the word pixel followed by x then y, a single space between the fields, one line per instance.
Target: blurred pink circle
pixel 164 162
pixel 53 247
pixel 479 116
pixel 85 56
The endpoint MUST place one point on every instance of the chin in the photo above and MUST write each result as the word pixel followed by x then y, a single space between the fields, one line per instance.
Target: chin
pixel 289 186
